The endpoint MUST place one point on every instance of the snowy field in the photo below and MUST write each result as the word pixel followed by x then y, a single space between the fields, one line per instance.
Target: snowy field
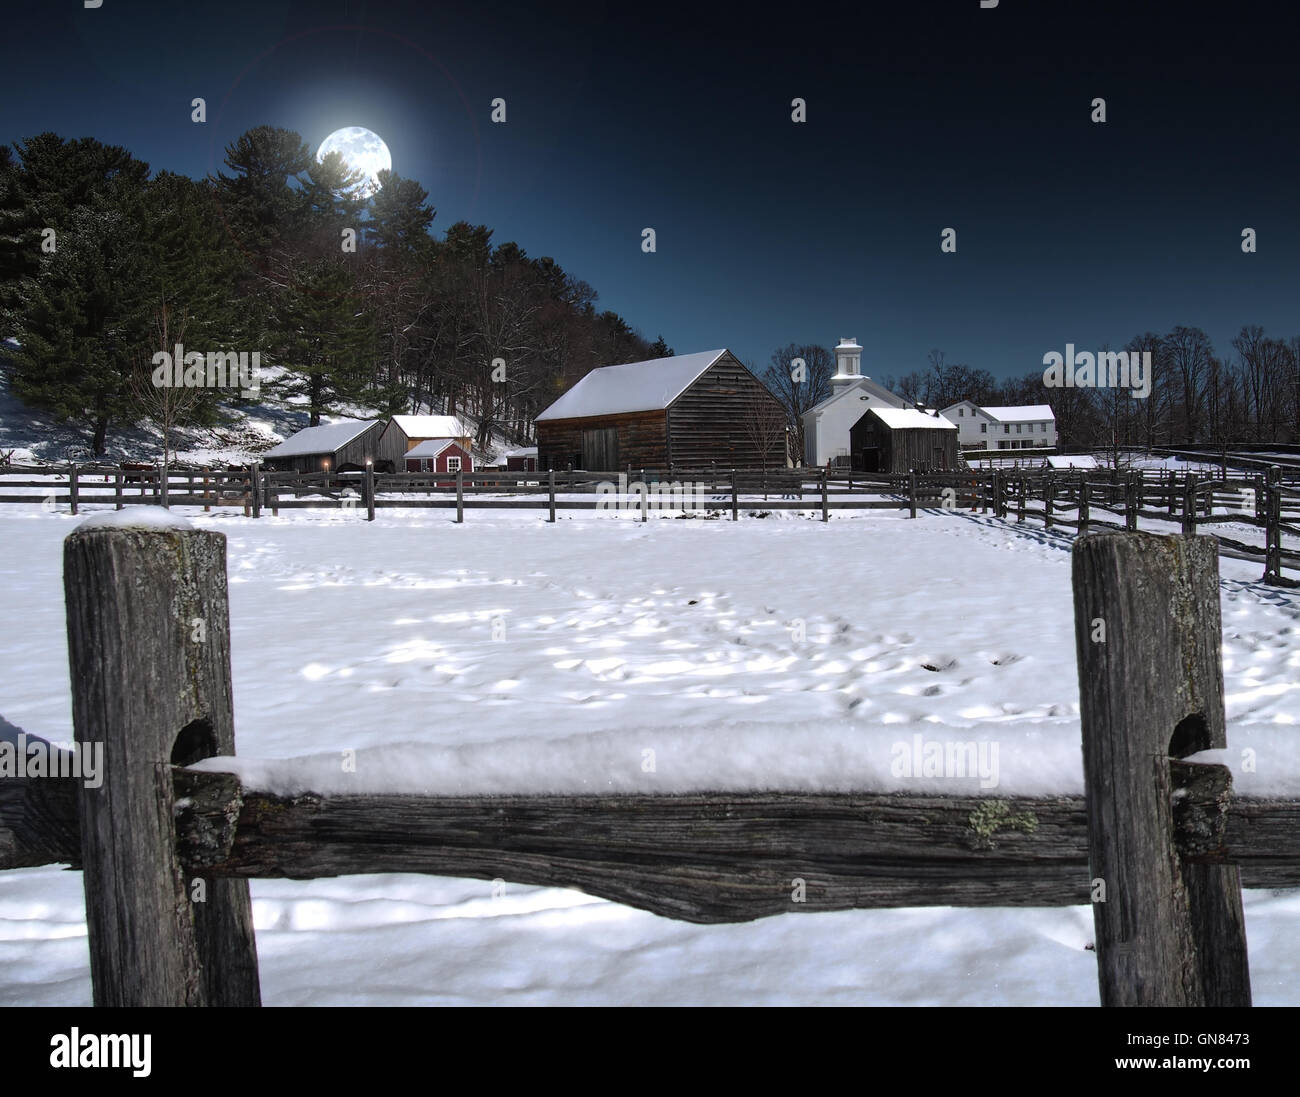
pixel 507 654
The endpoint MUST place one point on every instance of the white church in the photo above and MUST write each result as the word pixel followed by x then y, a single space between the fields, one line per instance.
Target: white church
pixel 826 427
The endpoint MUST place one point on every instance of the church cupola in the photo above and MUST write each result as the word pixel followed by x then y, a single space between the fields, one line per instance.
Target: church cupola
pixel 848 364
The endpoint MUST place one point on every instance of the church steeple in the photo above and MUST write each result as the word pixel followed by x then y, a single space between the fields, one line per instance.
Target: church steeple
pixel 848 363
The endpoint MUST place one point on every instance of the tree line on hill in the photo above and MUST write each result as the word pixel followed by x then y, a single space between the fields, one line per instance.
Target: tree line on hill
pixel 102 267
pixel 1249 393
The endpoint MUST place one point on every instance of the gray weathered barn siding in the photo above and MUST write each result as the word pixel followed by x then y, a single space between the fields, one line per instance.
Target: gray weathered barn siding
pixel 706 423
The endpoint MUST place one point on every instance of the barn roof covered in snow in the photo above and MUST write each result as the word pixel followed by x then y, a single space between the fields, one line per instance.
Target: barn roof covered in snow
pixel 635 386
pixel 911 419
pixel 1075 461
pixel 430 447
pixel 1028 413
pixel 326 438
pixel 431 426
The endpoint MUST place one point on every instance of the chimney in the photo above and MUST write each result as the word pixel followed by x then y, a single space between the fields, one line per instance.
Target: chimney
pixel 848 363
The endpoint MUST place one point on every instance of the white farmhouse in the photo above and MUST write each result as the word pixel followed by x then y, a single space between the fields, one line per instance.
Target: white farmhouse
pixel 826 427
pixel 1030 427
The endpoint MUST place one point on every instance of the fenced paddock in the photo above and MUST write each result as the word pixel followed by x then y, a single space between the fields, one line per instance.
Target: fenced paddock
pixel 1078 500
pixel 160 706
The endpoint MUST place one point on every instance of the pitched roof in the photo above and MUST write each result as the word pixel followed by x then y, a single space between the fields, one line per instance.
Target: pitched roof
pixel 911 419
pixel 636 386
pixel 326 438
pixel 430 447
pixel 431 426
pixel 875 387
pixel 1024 414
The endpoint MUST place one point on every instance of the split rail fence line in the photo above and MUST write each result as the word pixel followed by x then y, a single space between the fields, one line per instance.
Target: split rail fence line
pixel 1159 844
pixel 1266 499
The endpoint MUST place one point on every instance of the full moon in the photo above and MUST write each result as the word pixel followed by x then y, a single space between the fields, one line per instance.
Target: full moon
pixel 364 151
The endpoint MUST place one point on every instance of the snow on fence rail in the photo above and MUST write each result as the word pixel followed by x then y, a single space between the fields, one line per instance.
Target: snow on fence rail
pixel 1157 843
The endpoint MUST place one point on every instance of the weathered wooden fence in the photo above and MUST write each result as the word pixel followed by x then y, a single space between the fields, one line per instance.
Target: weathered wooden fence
pixel 1156 843
pixel 1070 499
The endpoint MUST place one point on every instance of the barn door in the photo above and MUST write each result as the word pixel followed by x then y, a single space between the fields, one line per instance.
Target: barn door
pixel 600 449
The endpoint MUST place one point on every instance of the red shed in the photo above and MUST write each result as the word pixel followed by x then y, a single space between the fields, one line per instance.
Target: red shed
pixel 440 455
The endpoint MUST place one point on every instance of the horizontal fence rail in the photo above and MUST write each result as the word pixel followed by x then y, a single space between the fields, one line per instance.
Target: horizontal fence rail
pixel 1159 844
pixel 1078 500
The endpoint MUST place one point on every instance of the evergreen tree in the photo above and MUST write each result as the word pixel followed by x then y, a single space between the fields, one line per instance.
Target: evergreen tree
pixel 74 303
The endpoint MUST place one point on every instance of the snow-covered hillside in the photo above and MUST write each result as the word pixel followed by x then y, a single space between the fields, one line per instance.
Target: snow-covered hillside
pixel 507 654
pixel 250 430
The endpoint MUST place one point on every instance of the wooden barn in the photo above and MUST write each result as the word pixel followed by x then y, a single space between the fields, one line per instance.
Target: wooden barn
pixel 440 455
pixel 899 440
pixel 691 411
pixel 404 432
pixel 344 446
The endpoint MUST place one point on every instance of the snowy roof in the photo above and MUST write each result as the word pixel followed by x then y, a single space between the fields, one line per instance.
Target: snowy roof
pixel 1078 461
pixel 431 426
pixel 856 387
pixel 431 447
pixel 527 451
pixel 1025 414
pixel 911 419
pixel 325 438
pixel 636 386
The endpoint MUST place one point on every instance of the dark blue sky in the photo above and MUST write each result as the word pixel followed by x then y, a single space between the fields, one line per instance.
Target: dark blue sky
pixel 922 115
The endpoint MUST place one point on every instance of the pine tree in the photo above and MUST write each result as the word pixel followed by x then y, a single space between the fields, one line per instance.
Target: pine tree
pixel 74 304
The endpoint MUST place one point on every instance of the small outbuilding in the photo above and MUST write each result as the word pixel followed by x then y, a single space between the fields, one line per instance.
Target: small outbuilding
pixel 444 455
pixel 345 446
pixel 900 440
pixel 404 432
pixel 522 460
pixel 690 410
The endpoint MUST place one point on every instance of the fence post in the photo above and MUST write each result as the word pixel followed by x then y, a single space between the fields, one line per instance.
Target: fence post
pixel 1085 514
pixel 460 495
pixel 257 489
pixel 911 493
pixel 1131 501
pixel 999 508
pixel 1189 505
pixel 735 510
pixel 149 651
pixel 1049 498
pixel 272 495
pixel 551 490
pixel 826 517
pixel 207 496
pixel 1173 495
pixel 117 489
pixel 1170 931
pixel 1022 490
pixel 368 485
pixel 1273 526
pixel 72 487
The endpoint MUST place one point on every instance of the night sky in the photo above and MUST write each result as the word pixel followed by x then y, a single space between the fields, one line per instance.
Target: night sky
pixel 921 116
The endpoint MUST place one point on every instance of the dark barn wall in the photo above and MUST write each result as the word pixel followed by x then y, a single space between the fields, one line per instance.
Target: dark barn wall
pixel 392 446
pixel 903 450
pixel 707 422
pixel 642 440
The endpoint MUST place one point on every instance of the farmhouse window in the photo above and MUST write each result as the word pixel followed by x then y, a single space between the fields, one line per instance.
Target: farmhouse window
pixel 453 464
pixel 984 428
pixel 1006 428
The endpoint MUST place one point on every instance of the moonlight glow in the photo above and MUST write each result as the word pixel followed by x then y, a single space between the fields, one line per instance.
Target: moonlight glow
pixel 363 150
